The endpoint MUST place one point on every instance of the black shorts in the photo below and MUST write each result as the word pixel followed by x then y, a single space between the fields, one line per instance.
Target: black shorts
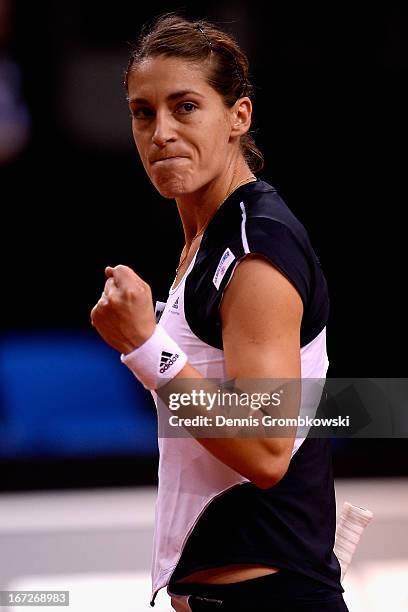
pixel 283 591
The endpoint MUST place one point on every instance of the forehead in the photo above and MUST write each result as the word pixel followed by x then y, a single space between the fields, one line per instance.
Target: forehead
pixel 161 76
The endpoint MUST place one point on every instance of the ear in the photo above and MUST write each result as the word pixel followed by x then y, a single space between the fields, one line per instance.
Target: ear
pixel 241 114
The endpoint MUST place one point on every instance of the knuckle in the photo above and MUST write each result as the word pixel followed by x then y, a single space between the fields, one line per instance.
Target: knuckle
pixel 131 293
pixel 120 268
pixel 144 288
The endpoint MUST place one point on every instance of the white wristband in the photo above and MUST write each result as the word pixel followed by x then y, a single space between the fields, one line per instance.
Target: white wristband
pixel 157 361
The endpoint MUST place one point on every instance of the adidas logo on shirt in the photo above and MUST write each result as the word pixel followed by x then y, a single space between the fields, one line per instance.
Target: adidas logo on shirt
pixel 175 305
pixel 167 360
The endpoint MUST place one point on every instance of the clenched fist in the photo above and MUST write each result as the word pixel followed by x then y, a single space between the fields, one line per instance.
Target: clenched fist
pixel 124 315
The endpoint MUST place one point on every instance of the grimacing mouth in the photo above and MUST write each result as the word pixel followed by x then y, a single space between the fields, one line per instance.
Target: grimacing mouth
pixel 154 161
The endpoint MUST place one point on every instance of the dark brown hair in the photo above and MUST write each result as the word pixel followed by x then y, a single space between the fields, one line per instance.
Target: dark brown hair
pixel 201 41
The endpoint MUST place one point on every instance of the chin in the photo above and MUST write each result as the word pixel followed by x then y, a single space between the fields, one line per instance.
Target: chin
pixel 170 187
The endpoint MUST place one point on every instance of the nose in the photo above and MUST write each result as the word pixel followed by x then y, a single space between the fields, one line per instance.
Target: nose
pixel 164 131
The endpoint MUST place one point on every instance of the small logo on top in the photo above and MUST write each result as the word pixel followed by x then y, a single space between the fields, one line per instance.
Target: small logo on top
pixel 226 260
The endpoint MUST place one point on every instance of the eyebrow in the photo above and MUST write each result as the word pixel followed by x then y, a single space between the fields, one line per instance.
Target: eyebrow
pixel 170 97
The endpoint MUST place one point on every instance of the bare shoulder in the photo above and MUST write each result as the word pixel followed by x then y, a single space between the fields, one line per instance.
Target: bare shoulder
pixel 261 313
pixel 259 286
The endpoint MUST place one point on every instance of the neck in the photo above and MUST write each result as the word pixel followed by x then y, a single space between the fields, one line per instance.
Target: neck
pixel 198 208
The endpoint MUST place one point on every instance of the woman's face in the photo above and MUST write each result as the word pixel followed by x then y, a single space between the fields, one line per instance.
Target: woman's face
pixel 180 124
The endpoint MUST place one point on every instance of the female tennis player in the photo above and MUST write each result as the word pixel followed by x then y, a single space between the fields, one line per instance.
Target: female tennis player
pixel 242 523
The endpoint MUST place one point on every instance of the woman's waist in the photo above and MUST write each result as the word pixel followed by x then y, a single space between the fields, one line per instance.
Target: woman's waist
pixel 228 574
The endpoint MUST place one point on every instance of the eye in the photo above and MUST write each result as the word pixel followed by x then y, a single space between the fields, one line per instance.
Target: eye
pixel 141 112
pixel 186 108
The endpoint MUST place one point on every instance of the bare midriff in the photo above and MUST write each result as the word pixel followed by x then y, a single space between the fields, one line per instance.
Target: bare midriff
pixel 230 573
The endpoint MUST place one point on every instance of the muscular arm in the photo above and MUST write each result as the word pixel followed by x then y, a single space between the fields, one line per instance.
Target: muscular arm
pixel 261 313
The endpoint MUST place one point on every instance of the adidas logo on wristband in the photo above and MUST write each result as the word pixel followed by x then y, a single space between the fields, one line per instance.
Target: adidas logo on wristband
pixel 142 361
pixel 167 360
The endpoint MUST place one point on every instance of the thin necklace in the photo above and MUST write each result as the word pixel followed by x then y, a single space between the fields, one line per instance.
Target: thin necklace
pixel 202 230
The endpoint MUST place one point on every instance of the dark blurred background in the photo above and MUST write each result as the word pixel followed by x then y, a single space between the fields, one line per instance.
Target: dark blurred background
pixel 329 112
